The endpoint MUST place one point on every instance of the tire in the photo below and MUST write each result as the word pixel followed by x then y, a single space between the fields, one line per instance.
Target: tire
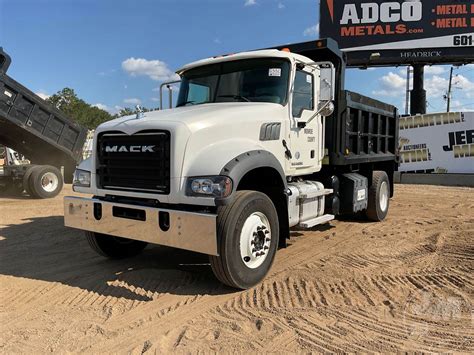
pixel 114 247
pixel 237 226
pixel 26 181
pixel 379 197
pixel 45 181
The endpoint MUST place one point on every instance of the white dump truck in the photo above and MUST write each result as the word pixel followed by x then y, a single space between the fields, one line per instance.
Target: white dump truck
pixel 259 142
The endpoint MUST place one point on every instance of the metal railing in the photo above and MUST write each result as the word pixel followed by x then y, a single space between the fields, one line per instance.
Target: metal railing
pixel 169 86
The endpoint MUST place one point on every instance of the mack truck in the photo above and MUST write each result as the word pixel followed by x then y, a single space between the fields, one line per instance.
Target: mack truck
pixel 259 143
pixel 32 128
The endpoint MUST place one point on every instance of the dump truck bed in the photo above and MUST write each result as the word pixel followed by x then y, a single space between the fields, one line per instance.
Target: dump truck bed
pixel 362 130
pixel 34 128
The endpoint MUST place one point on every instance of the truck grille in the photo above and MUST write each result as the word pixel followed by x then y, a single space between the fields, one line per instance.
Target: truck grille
pixel 140 162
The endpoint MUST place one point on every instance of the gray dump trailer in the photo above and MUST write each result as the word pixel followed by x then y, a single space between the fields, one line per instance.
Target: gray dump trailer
pixel 44 135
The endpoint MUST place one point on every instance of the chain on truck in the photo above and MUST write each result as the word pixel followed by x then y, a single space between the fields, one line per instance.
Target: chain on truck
pixel 258 143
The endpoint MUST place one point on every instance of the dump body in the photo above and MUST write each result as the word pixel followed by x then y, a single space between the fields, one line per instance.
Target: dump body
pixel 32 127
pixel 364 131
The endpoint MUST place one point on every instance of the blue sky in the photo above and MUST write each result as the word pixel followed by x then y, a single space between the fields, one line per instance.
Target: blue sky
pixel 115 53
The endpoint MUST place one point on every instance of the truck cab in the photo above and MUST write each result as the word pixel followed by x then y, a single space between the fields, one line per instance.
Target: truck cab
pixel 240 160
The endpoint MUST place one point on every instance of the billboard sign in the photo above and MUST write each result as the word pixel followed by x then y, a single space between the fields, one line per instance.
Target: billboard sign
pixel 437 143
pixel 381 32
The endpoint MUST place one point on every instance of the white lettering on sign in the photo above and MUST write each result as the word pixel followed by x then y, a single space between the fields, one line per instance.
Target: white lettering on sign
pixel 387 12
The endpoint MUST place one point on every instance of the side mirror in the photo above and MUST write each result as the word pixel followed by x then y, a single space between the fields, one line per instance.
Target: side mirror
pixel 327 80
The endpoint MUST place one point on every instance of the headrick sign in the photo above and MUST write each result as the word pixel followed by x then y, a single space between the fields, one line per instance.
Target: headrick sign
pixel 377 32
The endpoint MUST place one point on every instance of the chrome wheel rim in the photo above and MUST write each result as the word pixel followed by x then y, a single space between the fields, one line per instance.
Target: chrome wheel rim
pixel 383 196
pixel 49 182
pixel 255 240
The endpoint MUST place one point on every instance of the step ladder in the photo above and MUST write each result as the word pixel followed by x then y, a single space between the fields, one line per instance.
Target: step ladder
pixel 315 221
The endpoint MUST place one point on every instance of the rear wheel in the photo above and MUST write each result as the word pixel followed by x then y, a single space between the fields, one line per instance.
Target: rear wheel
pixel 114 247
pixel 45 181
pixel 248 233
pixel 379 197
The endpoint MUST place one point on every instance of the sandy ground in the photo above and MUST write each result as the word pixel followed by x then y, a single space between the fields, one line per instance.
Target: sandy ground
pixel 405 284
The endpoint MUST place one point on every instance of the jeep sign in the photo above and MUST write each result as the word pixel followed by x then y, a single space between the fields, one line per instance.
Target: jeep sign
pixel 377 32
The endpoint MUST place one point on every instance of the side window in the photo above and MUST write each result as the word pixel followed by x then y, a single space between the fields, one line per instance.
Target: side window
pixel 198 93
pixel 303 93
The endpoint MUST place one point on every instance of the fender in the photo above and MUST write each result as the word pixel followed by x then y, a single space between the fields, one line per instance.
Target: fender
pixel 245 162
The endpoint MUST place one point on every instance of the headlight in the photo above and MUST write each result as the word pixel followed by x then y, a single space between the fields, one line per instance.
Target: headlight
pixel 209 186
pixel 82 178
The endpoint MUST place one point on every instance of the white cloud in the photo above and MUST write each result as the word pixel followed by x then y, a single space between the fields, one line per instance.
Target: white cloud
pixel 393 81
pixel 132 101
pixel 43 95
pixel 112 110
pixel 154 69
pixel 436 87
pixel 101 106
pixel 435 70
pixel 464 84
pixel 312 31
pixel 391 85
pixel 281 5
pixel 217 41
pixel 250 2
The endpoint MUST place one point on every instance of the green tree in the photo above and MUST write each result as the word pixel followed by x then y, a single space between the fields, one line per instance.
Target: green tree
pixel 78 110
pixel 127 111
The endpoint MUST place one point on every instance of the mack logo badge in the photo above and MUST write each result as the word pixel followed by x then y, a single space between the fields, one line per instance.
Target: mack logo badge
pixel 130 149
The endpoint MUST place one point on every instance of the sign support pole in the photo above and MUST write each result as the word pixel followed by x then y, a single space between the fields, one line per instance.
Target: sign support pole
pixel 418 94
pixel 407 98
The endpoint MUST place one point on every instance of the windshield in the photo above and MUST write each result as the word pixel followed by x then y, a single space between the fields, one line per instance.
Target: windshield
pixel 252 80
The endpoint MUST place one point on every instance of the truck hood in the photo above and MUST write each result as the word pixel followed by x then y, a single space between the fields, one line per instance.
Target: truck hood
pixel 196 117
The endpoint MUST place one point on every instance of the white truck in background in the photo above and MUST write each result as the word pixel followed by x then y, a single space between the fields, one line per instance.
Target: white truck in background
pixel 259 142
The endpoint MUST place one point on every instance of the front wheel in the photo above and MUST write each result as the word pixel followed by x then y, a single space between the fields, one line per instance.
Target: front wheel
pixel 379 197
pixel 248 233
pixel 114 247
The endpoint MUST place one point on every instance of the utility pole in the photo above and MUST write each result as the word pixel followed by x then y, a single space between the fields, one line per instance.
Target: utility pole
pixel 449 89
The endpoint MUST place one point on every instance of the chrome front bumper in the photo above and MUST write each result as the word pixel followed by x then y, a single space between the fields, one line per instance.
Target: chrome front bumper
pixel 178 229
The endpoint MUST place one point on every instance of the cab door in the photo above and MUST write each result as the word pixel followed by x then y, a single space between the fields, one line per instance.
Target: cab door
pixel 303 133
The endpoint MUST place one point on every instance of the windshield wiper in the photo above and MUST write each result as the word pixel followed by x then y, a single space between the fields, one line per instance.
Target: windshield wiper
pixel 237 97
